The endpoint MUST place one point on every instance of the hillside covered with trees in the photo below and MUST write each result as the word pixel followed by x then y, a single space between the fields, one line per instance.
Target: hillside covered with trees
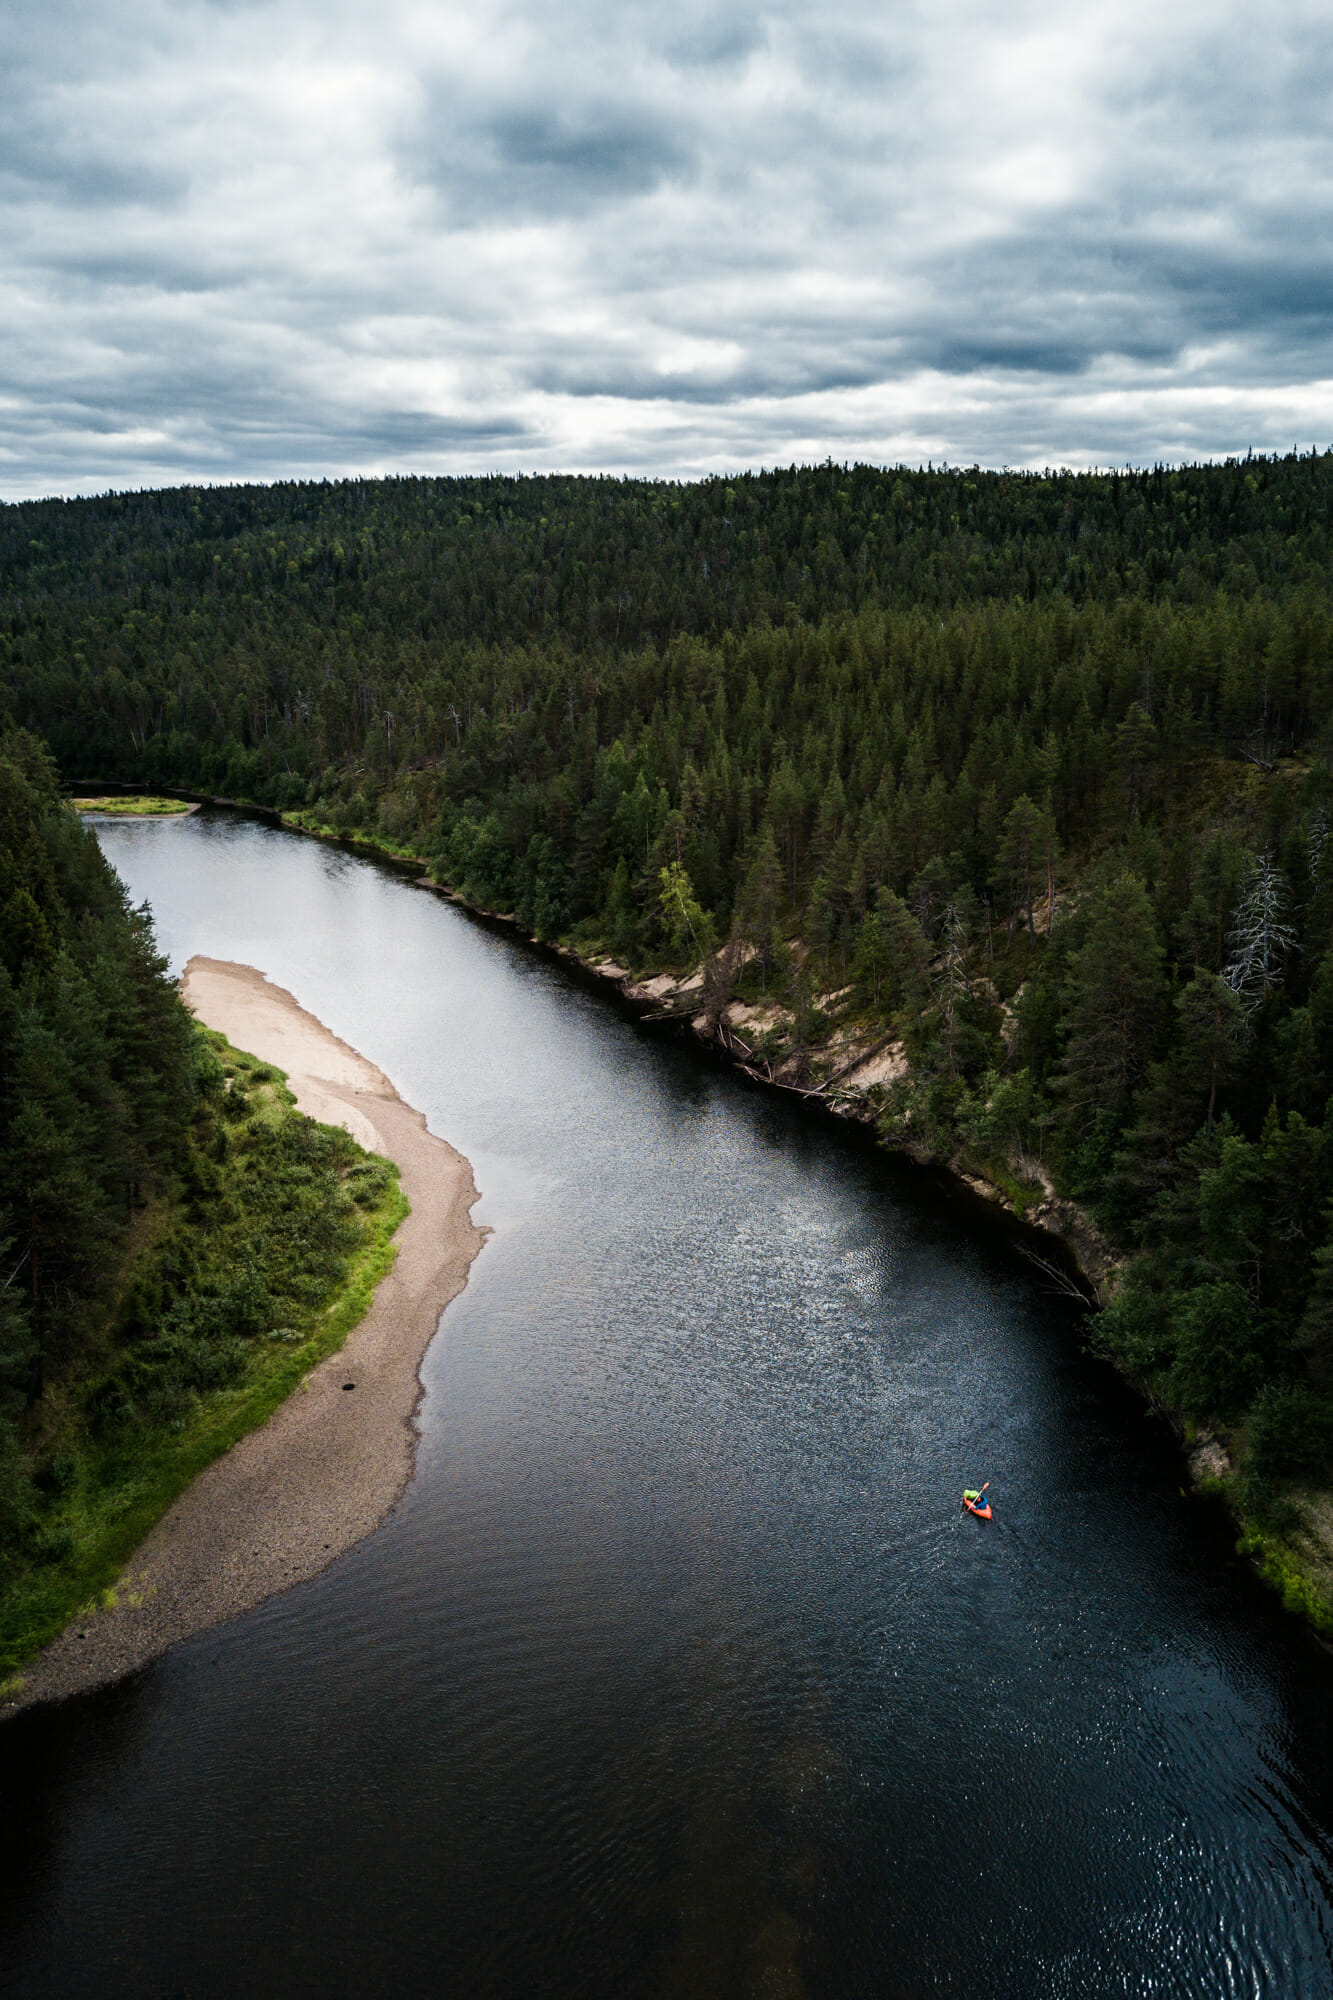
pixel 1031 773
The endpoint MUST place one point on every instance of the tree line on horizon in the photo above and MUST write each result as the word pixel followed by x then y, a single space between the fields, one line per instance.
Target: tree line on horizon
pixel 1034 771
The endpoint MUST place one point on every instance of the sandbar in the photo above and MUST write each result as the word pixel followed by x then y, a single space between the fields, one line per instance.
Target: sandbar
pixel 330 1463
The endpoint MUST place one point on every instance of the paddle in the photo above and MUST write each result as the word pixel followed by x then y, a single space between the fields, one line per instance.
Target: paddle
pixel 963 1509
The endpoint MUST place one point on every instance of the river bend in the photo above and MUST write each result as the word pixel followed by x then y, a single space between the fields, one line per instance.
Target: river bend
pixel 675 1672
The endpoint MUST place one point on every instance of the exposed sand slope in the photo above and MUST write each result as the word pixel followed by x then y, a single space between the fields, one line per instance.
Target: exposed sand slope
pixel 329 1464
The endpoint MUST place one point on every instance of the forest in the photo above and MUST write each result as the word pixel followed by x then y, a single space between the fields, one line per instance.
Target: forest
pixel 171 1229
pixel 1030 771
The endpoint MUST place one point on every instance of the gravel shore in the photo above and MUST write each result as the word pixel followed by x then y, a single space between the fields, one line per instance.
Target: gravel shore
pixel 330 1463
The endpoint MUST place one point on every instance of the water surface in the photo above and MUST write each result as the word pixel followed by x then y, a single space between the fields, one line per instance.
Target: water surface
pixel 676 1672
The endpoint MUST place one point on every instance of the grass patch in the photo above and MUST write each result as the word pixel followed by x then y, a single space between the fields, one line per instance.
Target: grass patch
pixel 1019 1194
pixel 259 1265
pixel 142 804
pixel 1282 1570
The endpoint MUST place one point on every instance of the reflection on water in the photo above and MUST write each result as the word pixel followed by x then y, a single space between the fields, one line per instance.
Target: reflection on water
pixel 676 1672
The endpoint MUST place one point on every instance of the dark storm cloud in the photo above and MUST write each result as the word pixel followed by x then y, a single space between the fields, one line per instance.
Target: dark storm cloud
pixel 250 239
pixel 539 160
pixel 616 156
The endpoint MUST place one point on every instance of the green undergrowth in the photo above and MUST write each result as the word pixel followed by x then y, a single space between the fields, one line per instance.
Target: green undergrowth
pixel 1285 1571
pixel 258 1264
pixel 1019 1194
pixel 1285 1522
pixel 376 843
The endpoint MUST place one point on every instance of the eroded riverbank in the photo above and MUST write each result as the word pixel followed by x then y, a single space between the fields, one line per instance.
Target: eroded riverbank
pixel 1057 1236
pixel 846 1081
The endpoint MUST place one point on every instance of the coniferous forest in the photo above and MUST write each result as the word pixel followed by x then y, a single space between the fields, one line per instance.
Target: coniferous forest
pixel 1031 772
pixel 171 1229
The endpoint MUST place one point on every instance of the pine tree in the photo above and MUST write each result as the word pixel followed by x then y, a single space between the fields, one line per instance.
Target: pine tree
pixel 687 924
pixel 1115 988
pixel 1135 756
pixel 1019 863
pixel 1213 1035
pixel 907 950
pixel 756 915
pixel 785 813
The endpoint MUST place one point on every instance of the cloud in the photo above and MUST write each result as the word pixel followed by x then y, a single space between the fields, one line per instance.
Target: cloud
pixel 534 161
pixel 266 238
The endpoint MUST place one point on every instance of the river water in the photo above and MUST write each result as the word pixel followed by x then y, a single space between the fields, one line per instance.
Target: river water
pixel 676 1673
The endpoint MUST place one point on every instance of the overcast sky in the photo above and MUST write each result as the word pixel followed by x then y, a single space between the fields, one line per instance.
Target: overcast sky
pixel 258 239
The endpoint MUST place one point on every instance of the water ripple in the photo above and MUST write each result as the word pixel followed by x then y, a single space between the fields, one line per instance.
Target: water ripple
pixel 676 1673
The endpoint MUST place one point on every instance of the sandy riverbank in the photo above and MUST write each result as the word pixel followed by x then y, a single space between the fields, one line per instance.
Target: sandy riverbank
pixel 330 1463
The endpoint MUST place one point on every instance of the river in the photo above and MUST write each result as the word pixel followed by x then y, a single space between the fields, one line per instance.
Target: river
pixel 676 1673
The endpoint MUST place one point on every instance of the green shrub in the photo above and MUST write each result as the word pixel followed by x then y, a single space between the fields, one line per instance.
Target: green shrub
pixel 1291 1432
pixel 1135 1331
pixel 263 1261
pixel 1219 1351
